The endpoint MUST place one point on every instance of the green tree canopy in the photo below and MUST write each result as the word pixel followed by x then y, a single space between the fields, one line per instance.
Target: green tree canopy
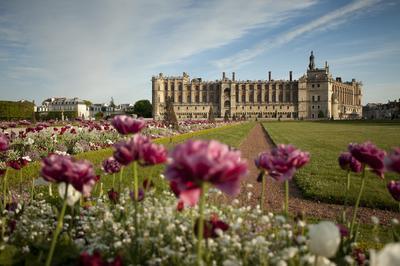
pixel 143 108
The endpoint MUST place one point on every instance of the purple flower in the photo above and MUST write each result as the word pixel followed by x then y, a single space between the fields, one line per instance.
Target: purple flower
pixel 394 189
pixel 111 166
pixel 197 161
pixel 282 162
pixel 59 168
pixel 140 195
pixel 130 150
pixel 392 161
pixel 368 153
pixel 348 162
pixel 4 143
pixel 96 260
pixel 153 154
pixel 127 125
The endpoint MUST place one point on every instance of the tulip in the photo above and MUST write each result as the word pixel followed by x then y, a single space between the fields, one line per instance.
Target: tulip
pixel 153 154
pixel 281 164
pixel 113 195
pixel 95 260
pixel 130 150
pixel 4 143
pixel 111 166
pixel 211 227
pixel 394 189
pixel 196 164
pixel 367 153
pixel 127 125
pixel 324 239
pixel 388 256
pixel 392 161
pixel 348 162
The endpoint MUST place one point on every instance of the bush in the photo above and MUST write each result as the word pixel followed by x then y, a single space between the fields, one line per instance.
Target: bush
pixel 16 110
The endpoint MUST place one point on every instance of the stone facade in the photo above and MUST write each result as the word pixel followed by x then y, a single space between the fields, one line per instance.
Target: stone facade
pixel 314 95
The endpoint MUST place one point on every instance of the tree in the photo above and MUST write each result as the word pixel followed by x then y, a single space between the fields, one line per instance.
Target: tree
pixel 87 103
pixel 170 116
pixel 143 108
pixel 321 114
pixel 211 117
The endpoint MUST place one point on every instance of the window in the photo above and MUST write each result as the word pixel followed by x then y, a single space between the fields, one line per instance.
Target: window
pixel 313 98
pixel 319 98
pixel 312 85
pixel 312 107
pixel 318 85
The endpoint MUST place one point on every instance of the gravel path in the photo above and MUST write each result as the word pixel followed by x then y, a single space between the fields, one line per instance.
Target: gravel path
pixel 258 141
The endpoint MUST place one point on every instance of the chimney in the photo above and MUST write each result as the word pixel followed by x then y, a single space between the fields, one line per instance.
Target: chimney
pixel 290 75
pixel 223 75
pixel 269 75
pixel 233 76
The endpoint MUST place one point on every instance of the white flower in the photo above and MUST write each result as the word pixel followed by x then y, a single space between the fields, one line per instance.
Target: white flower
pixel 388 256
pixel 73 195
pixel 324 239
pixel 375 220
pixel 29 141
pixel 27 158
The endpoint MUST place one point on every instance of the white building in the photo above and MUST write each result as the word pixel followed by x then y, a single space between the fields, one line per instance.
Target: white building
pixel 63 104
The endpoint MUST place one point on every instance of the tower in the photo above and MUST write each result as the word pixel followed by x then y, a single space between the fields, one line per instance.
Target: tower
pixel 311 65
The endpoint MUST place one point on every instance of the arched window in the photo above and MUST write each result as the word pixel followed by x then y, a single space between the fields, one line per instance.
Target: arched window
pixel 227 104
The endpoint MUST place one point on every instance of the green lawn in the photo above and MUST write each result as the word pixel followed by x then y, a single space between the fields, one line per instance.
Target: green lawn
pixel 231 135
pixel 323 179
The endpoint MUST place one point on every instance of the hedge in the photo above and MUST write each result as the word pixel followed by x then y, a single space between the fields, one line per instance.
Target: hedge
pixel 10 110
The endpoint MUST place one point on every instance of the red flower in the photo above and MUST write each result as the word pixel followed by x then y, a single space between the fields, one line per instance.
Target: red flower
pixel 394 189
pixel 282 162
pixel 211 226
pixel 59 168
pixel 127 125
pixel 113 195
pixel 368 153
pixel 4 143
pixel 392 161
pixel 180 206
pixel 15 164
pixel 195 162
pixel 348 162
pixel 95 260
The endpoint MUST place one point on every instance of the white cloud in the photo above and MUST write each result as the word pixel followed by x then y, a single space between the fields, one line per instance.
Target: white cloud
pixel 324 22
pixel 97 49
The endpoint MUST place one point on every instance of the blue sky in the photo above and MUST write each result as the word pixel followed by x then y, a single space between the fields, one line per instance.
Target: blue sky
pixel 100 49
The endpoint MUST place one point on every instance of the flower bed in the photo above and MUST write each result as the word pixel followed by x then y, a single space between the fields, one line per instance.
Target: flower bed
pixel 143 224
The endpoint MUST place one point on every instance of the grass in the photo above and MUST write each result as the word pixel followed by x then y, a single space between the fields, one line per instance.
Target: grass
pixel 323 179
pixel 231 135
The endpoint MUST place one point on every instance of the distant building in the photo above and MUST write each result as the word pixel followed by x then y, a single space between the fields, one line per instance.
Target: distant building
pixel 390 110
pixel 107 110
pixel 315 95
pixel 62 104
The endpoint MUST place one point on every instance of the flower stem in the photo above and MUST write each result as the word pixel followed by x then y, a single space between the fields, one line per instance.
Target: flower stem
pixel 135 181
pixel 346 196
pixel 58 229
pixel 20 181
pixel 201 223
pixel 5 189
pixel 113 180
pixel 358 201
pixel 120 179
pixel 263 184
pixel 33 189
pixel 287 198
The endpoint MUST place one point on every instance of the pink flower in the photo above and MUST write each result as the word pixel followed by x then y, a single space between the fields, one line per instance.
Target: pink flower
pixel 394 189
pixel 282 162
pixel 130 150
pixel 59 168
pixel 196 162
pixel 4 143
pixel 153 154
pixel 348 162
pixel 127 125
pixel 111 166
pixel 392 161
pixel 368 153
